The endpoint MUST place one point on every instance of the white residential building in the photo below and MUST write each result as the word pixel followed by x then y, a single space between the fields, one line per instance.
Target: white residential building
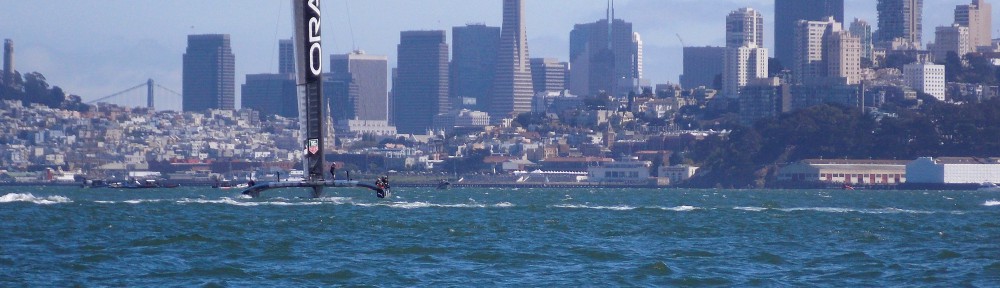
pixel 742 65
pixel 745 55
pixel 744 28
pixel 926 77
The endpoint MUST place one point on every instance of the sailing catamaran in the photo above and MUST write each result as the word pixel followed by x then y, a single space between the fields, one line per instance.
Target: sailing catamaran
pixel 309 55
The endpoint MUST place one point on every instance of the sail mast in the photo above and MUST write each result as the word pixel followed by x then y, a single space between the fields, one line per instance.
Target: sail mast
pixel 310 69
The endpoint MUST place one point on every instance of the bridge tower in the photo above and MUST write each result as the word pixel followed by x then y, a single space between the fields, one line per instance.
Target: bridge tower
pixel 149 93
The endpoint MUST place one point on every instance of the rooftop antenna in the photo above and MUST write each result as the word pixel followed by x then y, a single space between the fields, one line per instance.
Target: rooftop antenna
pixel 680 39
pixel 611 20
pixel 350 25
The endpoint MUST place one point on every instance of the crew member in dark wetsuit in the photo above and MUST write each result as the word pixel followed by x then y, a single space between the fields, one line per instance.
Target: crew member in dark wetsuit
pixel 333 171
pixel 251 183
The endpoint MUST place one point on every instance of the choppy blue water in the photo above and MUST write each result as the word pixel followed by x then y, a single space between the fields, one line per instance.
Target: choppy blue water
pixel 60 236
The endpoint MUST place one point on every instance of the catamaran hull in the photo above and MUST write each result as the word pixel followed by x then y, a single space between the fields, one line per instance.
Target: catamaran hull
pixel 317 187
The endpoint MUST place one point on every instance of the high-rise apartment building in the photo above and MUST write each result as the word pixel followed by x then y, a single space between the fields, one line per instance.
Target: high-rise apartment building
pixel 473 63
pixel 286 56
pixel 701 66
pixel 421 86
pixel 979 18
pixel 863 31
pixel 824 50
pixel 209 73
pixel 746 57
pixel 843 57
pixel 369 74
pixel 548 74
pixel 512 87
pixel 605 56
pixel 787 14
pixel 955 38
pixel 900 23
pixel 745 28
pixel 742 65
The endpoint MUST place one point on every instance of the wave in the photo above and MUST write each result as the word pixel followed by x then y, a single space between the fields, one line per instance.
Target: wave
pixel 577 206
pixel 279 201
pixel 992 203
pixel 28 197
pixel 135 201
pixel 231 201
pixel 683 208
pixel 836 210
pixel 418 205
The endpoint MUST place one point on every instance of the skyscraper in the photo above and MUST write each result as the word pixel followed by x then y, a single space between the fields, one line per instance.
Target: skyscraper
pixel 899 23
pixel 209 73
pixel 548 74
pixel 421 86
pixel 701 66
pixel 604 56
pixel 787 13
pixel 746 57
pixel 369 73
pixel 862 30
pixel 286 56
pixel 274 94
pixel 271 94
pixel 637 56
pixel 512 87
pixel 744 27
pixel 824 50
pixel 578 80
pixel 473 63
pixel 978 17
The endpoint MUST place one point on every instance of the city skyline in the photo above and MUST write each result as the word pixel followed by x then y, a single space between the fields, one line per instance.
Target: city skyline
pixel 87 54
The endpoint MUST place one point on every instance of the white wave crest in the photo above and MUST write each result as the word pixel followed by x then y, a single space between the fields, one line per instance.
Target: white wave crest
pixel 504 205
pixel 28 197
pixel 889 210
pixel 419 205
pixel 751 209
pixel 838 210
pixel 992 203
pixel 234 202
pixel 684 208
pixel 615 208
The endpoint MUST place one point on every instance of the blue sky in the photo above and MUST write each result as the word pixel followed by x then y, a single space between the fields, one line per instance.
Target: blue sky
pixel 94 48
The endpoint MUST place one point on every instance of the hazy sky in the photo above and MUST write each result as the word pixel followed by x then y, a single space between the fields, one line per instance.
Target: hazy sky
pixel 95 48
